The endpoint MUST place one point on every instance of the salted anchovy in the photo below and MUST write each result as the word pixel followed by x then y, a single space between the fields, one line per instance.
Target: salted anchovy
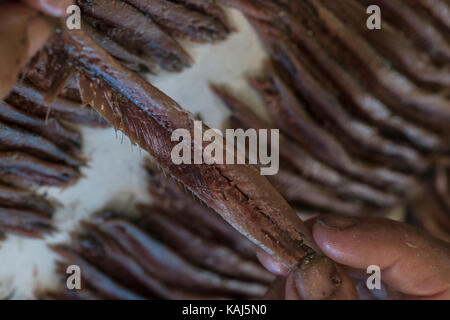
pixel 209 7
pixel 129 59
pixel 302 193
pixel 426 213
pixel 299 191
pixel 110 249
pixel 50 129
pixel 26 223
pixel 300 127
pixel 70 92
pixel 12 197
pixel 103 285
pixel 363 101
pixel 67 294
pixel 132 29
pixel 163 263
pixel 439 9
pixel 304 163
pixel 359 138
pixel 412 23
pixel 258 9
pixel 48 74
pixel 43 69
pixel 393 87
pixel 13 138
pixel 182 207
pixel 32 100
pixel 415 102
pixel 354 133
pixel 441 186
pixel 23 212
pixel 48 95
pixel 182 21
pixel 238 192
pixel 393 44
pixel 343 189
pixel 203 252
pixel 431 210
pixel 106 254
pixel 35 151
pixel 23 169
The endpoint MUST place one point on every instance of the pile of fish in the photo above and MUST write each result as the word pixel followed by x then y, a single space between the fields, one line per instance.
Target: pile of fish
pixel 363 114
pixel 175 249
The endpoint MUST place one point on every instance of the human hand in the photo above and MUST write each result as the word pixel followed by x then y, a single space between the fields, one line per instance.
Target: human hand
pixel 23 31
pixel 413 264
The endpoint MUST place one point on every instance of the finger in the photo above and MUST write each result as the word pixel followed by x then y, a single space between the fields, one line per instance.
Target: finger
pixel 360 277
pixel 411 262
pixel 311 279
pixel 23 32
pixel 319 278
pixel 276 290
pixel 301 287
pixel 55 8
pixel 291 292
pixel 271 264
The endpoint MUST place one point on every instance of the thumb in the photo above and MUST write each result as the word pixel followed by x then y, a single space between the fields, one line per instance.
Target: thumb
pixel 411 261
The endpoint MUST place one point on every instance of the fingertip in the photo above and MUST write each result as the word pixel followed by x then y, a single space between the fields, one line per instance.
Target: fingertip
pixel 328 232
pixel 319 278
pixel 271 264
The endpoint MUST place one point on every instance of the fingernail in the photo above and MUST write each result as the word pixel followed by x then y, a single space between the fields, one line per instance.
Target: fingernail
pixel 334 222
